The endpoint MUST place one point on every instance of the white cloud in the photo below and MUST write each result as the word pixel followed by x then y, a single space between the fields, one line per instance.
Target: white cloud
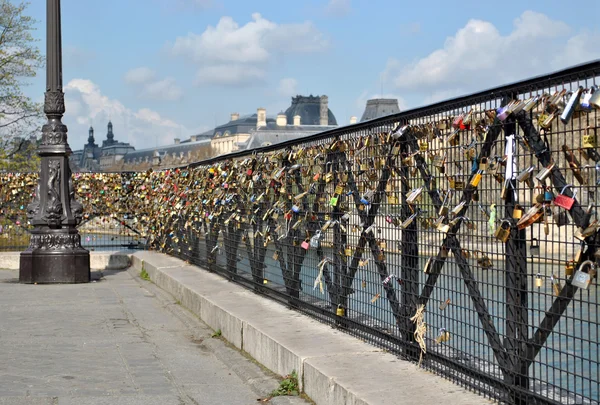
pixel 139 75
pixel 230 75
pixel 478 56
pixel 149 88
pixel 338 8
pixel 166 89
pixel 87 105
pixel 237 55
pixel 287 87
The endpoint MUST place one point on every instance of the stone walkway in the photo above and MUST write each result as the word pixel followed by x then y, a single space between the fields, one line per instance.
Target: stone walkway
pixel 119 340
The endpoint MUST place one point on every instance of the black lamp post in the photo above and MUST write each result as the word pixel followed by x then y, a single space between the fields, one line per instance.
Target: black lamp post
pixel 54 254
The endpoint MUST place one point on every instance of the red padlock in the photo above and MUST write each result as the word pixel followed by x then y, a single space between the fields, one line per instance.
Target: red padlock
pixel 564 201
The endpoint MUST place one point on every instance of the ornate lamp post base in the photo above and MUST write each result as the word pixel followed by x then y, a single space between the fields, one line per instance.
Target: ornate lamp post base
pixel 54 256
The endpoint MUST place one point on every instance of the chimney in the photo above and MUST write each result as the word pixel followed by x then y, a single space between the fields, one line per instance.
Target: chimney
pixel 235 116
pixel 193 138
pixel 281 120
pixel 177 141
pixel 261 117
pixel 324 116
pixel 296 120
pixel 353 120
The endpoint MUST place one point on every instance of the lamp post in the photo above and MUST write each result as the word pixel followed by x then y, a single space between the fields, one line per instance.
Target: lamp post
pixel 55 254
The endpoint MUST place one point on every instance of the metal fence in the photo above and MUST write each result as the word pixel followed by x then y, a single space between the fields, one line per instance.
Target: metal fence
pixel 462 235
pixel 109 217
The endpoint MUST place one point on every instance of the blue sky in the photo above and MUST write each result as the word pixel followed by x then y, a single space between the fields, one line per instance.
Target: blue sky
pixel 171 68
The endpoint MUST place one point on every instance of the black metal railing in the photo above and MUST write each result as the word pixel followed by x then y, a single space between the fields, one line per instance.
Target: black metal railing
pixel 109 221
pixel 445 234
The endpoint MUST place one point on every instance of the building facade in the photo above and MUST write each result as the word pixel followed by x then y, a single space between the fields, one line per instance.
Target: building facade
pixel 380 107
pixel 94 158
pixel 307 115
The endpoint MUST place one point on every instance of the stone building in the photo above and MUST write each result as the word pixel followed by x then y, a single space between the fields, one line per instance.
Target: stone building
pixel 307 115
pixel 94 158
pixel 197 147
pixel 380 107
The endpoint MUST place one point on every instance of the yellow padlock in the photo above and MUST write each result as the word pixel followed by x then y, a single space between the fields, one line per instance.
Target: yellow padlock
pixel 503 231
pixel 589 138
pixel 476 179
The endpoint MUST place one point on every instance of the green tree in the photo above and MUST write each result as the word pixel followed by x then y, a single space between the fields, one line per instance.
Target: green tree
pixel 20 60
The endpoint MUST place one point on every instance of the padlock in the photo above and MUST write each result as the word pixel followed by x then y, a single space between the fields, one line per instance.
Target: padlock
pixel 424 146
pixel 517 212
pixel 329 174
pixel 561 217
pixel 476 179
pixel 503 231
pixel 556 287
pixel 534 249
pixel 408 221
pixel 348 251
pixel 316 239
pixel 443 336
pixel 445 304
pixel 484 261
pixel 573 102
pixel 525 176
pixel 584 275
pixel 414 195
pixel 428 265
pixel 505 188
pixel 539 281
pixel 382 244
pixel 276 255
pixel 483 163
pixel 392 198
pixel 564 201
pixel 589 138
pixel 569 268
pixel 545 172
pixel 456 210
pixel 340 310
pixel 595 100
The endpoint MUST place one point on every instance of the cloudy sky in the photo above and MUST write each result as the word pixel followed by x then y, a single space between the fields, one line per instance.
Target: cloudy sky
pixel 162 69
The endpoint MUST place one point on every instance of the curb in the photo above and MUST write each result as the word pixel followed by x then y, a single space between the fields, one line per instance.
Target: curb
pixel 98 260
pixel 333 367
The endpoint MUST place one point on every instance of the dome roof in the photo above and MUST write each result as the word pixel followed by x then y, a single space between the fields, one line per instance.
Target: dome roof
pixel 309 110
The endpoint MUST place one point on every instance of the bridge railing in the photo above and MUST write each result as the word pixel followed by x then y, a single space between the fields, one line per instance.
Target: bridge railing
pixel 462 235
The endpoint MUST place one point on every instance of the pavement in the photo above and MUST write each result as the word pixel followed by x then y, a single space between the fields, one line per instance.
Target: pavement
pixel 119 340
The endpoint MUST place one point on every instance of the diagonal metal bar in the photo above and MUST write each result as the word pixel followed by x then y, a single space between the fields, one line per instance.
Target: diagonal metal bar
pixel 581 219
pixel 451 242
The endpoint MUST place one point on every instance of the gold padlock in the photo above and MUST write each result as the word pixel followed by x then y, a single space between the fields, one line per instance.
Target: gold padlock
pixel 539 281
pixel 589 138
pixel 340 310
pixel 569 268
pixel 348 251
pixel 382 244
pixel 517 211
pixel 503 231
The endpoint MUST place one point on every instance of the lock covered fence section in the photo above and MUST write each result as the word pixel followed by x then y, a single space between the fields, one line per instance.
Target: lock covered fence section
pixel 461 235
